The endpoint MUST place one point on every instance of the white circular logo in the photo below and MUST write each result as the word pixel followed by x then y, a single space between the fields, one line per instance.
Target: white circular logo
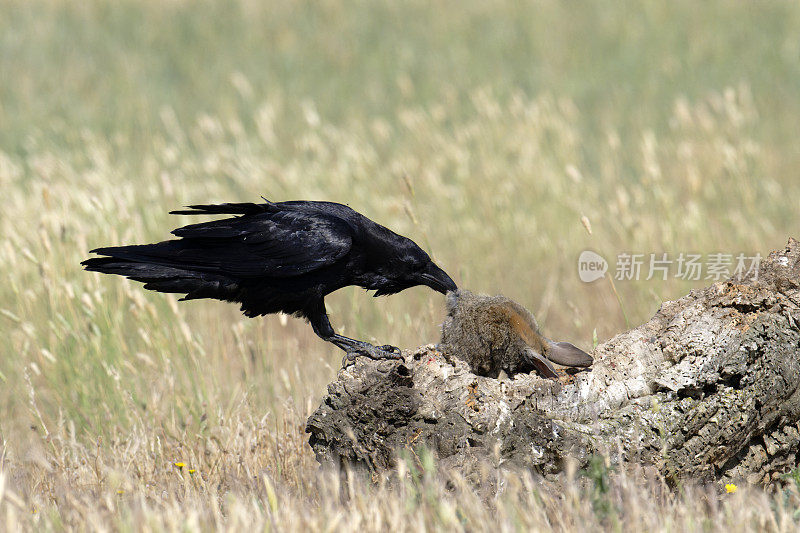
pixel 591 266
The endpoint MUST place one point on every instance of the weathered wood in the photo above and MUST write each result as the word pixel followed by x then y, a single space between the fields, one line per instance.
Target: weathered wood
pixel 707 389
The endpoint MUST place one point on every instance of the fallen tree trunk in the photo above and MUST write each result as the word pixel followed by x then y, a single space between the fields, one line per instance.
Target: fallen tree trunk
pixel 707 390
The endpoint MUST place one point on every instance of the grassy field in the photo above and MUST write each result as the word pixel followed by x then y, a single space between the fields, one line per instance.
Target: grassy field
pixel 485 131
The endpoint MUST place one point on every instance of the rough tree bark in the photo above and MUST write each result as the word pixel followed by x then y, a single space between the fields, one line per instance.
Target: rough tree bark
pixel 707 390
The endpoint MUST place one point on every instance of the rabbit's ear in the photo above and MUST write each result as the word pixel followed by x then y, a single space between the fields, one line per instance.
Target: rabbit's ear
pixel 568 354
pixel 524 325
pixel 542 365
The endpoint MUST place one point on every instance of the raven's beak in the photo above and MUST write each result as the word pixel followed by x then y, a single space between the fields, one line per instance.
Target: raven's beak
pixel 437 279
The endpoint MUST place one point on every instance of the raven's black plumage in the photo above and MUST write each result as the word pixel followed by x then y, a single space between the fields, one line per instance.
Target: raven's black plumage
pixel 277 257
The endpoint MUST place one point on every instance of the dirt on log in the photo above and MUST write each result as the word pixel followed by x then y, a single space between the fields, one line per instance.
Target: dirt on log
pixel 706 390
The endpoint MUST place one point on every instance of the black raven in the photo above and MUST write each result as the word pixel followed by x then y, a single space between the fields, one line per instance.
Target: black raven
pixel 279 257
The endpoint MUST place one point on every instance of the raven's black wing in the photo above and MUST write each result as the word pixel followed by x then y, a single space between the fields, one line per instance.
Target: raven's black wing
pixel 267 241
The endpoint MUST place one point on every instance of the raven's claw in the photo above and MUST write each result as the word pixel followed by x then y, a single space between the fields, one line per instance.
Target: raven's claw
pixel 389 348
pixel 376 353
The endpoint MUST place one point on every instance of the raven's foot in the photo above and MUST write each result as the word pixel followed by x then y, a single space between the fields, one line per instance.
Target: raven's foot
pixel 376 353
pixel 389 348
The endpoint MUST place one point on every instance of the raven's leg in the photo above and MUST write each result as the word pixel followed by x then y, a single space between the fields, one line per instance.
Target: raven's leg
pixel 322 327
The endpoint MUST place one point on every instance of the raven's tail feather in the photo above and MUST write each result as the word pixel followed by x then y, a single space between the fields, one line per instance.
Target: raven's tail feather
pixel 246 208
pixel 164 278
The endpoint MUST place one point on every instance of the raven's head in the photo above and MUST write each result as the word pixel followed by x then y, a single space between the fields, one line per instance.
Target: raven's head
pixel 410 270
pixel 434 277
pixel 402 264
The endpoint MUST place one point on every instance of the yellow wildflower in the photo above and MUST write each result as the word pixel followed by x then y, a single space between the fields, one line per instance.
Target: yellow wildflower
pixel 192 470
pixel 179 465
pixel 730 488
